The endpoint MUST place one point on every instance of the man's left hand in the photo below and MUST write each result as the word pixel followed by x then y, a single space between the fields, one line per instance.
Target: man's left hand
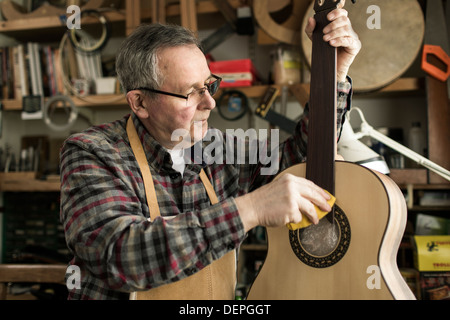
pixel 340 34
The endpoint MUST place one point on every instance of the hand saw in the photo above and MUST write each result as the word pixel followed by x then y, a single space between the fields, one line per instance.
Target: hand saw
pixel 436 42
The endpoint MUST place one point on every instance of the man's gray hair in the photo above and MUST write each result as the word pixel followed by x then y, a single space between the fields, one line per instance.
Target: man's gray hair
pixel 137 58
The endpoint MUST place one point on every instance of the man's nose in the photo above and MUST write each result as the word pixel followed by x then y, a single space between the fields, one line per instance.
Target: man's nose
pixel 207 102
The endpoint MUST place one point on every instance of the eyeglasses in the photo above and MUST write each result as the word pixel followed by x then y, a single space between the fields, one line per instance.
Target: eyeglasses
pixel 195 97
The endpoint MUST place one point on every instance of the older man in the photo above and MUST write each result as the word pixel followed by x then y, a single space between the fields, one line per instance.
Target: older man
pixel 140 214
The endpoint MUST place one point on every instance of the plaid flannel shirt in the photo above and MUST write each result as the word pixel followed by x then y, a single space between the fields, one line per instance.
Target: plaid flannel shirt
pixel 106 218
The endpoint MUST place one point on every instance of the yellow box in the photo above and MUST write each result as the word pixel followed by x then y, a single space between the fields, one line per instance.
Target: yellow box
pixel 432 253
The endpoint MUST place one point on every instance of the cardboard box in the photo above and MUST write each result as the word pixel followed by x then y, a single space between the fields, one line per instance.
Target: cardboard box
pixel 432 259
pixel 106 85
pixel 235 73
pixel 432 253
pixel 435 285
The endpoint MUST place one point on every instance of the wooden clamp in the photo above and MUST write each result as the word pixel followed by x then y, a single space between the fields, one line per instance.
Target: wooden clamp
pixel 189 14
pixel 159 11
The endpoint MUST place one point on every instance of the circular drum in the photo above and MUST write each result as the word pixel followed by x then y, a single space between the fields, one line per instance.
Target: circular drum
pixel 391 33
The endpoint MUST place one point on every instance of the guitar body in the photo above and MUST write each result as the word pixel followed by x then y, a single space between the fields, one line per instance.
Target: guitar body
pixel 363 264
pixel 352 252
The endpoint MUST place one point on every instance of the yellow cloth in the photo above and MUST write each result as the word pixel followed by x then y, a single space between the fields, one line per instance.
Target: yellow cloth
pixel 305 221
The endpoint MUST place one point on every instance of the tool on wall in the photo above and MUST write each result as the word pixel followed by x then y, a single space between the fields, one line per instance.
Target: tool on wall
pixel 223 32
pixel 232 105
pixel 73 86
pixel 244 23
pixel 69 108
pixel 78 37
pixel 240 22
pixel 264 111
pixel 436 50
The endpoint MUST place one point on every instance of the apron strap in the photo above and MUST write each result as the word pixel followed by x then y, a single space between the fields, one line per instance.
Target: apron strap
pixel 150 192
pixel 139 154
pixel 209 188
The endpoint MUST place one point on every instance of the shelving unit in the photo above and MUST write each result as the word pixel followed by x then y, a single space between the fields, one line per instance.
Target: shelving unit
pixel 21 27
pixel 134 13
pixel 27 182
pixel 124 21
pixel 26 28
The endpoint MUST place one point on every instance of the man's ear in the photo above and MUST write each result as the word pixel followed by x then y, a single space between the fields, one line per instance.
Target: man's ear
pixel 136 101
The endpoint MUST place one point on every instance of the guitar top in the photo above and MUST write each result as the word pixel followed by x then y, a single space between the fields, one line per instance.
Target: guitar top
pixel 331 260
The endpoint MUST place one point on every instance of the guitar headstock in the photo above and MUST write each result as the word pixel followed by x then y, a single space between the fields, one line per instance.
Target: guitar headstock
pixel 321 5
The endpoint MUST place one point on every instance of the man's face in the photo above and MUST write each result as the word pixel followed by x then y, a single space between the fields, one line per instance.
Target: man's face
pixel 184 70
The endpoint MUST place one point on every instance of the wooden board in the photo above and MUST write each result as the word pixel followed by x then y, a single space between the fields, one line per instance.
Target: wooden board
pixel 12 11
pixel 438 127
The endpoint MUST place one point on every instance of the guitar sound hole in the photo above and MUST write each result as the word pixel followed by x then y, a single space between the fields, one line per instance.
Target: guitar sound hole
pixel 321 239
pixel 324 244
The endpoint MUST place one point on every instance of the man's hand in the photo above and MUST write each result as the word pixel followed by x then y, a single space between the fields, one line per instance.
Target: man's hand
pixel 282 201
pixel 340 34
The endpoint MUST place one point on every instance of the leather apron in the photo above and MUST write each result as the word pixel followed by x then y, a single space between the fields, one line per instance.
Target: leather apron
pixel 215 281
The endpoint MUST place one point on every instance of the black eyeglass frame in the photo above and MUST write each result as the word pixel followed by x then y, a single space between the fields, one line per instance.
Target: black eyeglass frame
pixel 208 87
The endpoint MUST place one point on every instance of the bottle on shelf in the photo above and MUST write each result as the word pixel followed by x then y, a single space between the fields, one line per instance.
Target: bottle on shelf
pixel 416 140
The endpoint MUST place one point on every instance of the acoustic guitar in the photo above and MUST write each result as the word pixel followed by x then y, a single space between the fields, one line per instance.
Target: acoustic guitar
pixel 352 252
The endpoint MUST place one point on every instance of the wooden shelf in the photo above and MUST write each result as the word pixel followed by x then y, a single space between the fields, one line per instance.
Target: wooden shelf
pixel 300 91
pixel 52 22
pixel 399 86
pixel 425 186
pixel 409 176
pixel 27 182
pixel 415 178
pixel 30 186
pixel 119 100
pixel 429 208
pixel 404 85
pixel 22 27
pixel 104 100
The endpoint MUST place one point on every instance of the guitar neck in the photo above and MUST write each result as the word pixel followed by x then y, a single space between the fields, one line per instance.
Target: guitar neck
pixel 322 114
